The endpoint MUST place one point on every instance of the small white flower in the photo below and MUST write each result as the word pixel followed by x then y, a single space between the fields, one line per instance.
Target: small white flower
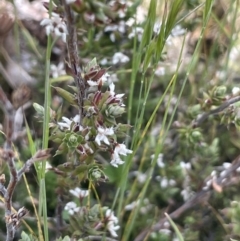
pixel 104 61
pixel 185 165
pixel 67 122
pixel 187 193
pixel 112 228
pixel 160 162
pixel 120 58
pixel 79 193
pixel 223 173
pixel 160 71
pixel 157 27
pixel 132 205
pixel 214 173
pixel 102 135
pixel 141 177
pixel 138 31
pixel 55 25
pixel 164 182
pixel 120 149
pixel 177 31
pixel 70 1
pixel 100 81
pixel 57 70
pixel 235 90
pixel 105 77
pixel 112 91
pixel 226 165
pixel 87 147
pixel 112 222
pixel 72 208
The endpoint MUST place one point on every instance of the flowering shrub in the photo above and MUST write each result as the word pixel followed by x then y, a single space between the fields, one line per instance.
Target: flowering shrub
pixel 170 153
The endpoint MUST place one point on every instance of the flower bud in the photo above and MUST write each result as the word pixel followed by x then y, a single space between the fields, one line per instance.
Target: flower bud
pixel 114 110
pixel 220 91
pixel 96 174
pixel 196 136
pixel 39 109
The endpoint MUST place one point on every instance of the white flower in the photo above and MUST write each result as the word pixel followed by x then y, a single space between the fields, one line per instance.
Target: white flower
pixel 57 70
pixel 112 222
pixel 104 61
pixel 235 90
pixel 185 165
pixel 72 208
pixel 226 165
pixel 112 91
pixel 160 162
pixel 100 81
pixel 177 31
pixel 105 77
pixel 112 228
pixel 138 31
pixel 102 135
pixel 157 27
pixel 70 1
pixel 120 149
pixel 187 193
pixel 160 71
pixel 142 177
pixel 120 58
pixel 164 182
pixel 67 122
pixel 79 193
pixel 55 25
pixel 132 205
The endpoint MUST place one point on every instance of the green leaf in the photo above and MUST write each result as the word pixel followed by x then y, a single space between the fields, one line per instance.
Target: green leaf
pixel 149 54
pixel 172 16
pixel 179 235
pixel 91 65
pixel 148 30
pixel 26 237
pixel 66 95
pixel 80 169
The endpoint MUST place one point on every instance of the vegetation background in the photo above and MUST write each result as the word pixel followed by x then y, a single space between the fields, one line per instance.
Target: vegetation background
pixel 179 70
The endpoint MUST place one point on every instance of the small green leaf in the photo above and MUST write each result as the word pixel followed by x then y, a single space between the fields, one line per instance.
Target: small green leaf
pixel 91 65
pixel 66 95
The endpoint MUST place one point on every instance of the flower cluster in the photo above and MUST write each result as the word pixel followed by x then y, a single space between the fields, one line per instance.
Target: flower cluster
pixel 98 130
pixel 55 25
pixel 82 214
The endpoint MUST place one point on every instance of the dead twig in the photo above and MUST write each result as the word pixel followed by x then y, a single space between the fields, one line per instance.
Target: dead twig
pixel 205 115
pixel 73 57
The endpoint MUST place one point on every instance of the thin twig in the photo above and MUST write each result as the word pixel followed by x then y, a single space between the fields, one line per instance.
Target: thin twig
pixel 205 115
pixel 200 197
pixel 73 57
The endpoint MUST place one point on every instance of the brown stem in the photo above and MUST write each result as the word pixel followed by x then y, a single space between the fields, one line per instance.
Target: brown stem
pixel 205 115
pixel 73 57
